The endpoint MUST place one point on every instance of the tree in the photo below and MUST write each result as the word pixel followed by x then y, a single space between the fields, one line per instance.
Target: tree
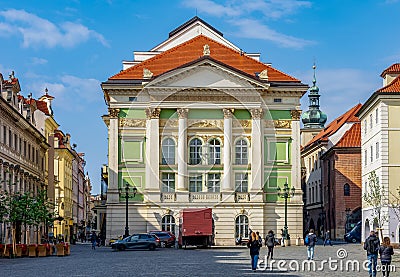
pixel 374 196
pixel 394 203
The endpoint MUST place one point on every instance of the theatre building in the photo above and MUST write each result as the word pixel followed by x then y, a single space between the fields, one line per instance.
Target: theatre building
pixel 196 122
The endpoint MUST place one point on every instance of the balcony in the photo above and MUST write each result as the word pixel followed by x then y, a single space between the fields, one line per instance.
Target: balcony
pixel 204 197
pixel 168 197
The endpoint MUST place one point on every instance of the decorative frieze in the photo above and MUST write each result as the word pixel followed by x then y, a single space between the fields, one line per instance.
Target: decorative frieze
pixel 210 123
pixel 296 114
pixel 228 112
pixel 256 113
pixel 278 124
pixel 242 123
pixel 182 113
pixel 128 122
pixel 152 113
pixel 113 112
pixel 172 123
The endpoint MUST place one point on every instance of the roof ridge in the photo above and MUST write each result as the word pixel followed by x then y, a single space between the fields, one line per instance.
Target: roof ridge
pixel 347 134
pixel 393 82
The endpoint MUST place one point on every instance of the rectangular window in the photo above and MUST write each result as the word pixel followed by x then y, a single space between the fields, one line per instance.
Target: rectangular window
pixel 9 138
pixel 168 182
pixel 370 121
pixel 277 100
pixel 196 183
pixel 15 142
pixel 241 182
pixel 372 153
pixel 132 99
pixel 213 182
pixel 376 116
pixel 365 126
pixel 365 157
pixel 4 134
pixel 25 149
pixel 377 150
pixel 20 146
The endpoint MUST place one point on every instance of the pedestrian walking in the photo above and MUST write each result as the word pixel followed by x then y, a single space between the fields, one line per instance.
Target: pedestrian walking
pixel 93 239
pixel 310 242
pixel 327 239
pixel 254 245
pixel 270 243
pixel 260 238
pixel 371 245
pixel 386 252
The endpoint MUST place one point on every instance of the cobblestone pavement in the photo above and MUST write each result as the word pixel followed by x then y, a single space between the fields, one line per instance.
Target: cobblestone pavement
pixel 217 261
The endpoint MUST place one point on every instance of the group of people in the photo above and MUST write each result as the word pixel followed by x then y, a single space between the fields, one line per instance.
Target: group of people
pixel 373 246
pixel 255 243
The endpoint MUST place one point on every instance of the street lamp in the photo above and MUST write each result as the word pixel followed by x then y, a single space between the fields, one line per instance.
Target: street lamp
pixel 286 193
pixel 127 195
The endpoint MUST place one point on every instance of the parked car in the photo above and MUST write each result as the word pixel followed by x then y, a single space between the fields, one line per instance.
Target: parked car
pixel 354 235
pixel 167 239
pixel 137 241
pixel 112 240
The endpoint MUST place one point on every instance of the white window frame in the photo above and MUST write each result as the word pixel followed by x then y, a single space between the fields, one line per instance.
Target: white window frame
pixel 242 226
pixel 241 182
pixel 197 151
pixel 241 152
pixel 377 150
pixel 196 182
pixel 168 223
pixel 213 182
pixel 168 182
pixel 168 151
pixel 214 151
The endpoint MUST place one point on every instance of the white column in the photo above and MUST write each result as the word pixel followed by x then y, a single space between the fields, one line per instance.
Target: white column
pixel 182 150
pixel 112 194
pixel 152 149
pixel 227 184
pixel 295 153
pixel 256 150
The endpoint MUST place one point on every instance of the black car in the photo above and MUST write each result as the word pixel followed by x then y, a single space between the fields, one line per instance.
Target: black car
pixel 354 235
pixel 137 241
pixel 167 239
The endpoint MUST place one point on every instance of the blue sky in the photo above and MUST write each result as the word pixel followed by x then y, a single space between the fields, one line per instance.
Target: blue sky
pixel 70 47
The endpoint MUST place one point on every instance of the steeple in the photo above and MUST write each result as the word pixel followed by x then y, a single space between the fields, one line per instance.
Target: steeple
pixel 314 117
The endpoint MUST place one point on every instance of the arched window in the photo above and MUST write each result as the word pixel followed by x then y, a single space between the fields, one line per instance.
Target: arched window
pixel 242 226
pixel 346 189
pixel 168 151
pixel 214 152
pixel 195 151
pixel 168 223
pixel 241 153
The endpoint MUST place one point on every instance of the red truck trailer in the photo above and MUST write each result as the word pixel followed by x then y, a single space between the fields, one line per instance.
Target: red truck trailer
pixel 195 228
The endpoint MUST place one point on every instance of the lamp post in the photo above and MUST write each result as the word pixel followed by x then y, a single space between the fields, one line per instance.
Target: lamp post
pixel 286 193
pixel 127 194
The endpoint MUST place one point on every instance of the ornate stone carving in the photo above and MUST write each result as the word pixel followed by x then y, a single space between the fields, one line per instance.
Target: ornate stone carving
pixel 243 123
pixel 152 113
pixel 213 123
pixel 147 74
pixel 228 112
pixel 128 122
pixel 263 75
pixel 182 113
pixel 198 98
pixel 206 50
pixel 172 122
pixel 256 113
pixel 113 112
pixel 296 114
pixel 279 124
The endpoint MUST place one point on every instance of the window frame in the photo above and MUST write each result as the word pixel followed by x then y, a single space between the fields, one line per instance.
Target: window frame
pixel 214 151
pixel 168 148
pixel 195 151
pixel 213 183
pixel 241 178
pixel 241 152
pixel 242 226
pixel 166 182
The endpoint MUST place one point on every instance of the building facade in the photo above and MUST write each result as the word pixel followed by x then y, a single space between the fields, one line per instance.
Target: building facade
pixel 196 122
pixel 379 148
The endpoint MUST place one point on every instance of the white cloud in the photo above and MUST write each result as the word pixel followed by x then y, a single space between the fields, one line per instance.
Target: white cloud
pixel 341 89
pixel 254 29
pixel 246 16
pixel 36 60
pixel 40 32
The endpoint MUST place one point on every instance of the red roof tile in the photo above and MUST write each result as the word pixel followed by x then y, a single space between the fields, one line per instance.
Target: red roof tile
pixel 336 124
pixel 352 138
pixel 394 68
pixel 394 86
pixel 192 50
pixel 42 106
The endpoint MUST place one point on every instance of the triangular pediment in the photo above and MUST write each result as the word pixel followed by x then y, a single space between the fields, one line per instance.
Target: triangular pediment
pixel 206 74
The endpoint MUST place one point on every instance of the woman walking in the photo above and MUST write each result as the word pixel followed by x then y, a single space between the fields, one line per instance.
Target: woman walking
pixel 386 252
pixel 270 243
pixel 254 245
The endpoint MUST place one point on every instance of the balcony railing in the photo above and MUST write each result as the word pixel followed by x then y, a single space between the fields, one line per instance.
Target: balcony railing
pixel 168 197
pixel 204 197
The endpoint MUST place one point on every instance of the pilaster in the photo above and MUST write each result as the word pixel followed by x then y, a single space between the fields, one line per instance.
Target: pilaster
pixel 227 184
pixel 182 149
pixel 152 149
pixel 112 195
pixel 256 150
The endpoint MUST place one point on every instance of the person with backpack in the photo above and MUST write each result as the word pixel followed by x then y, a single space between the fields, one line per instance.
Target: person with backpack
pixel 270 243
pixel 386 252
pixel 372 246
pixel 254 245
pixel 310 242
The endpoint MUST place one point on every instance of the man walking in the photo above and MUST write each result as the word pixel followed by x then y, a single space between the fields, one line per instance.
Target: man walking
pixel 310 241
pixel 327 238
pixel 371 245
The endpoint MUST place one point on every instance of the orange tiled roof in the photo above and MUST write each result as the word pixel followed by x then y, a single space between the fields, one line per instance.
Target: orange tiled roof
pixel 192 50
pixel 394 68
pixel 42 106
pixel 352 138
pixel 394 86
pixel 349 116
